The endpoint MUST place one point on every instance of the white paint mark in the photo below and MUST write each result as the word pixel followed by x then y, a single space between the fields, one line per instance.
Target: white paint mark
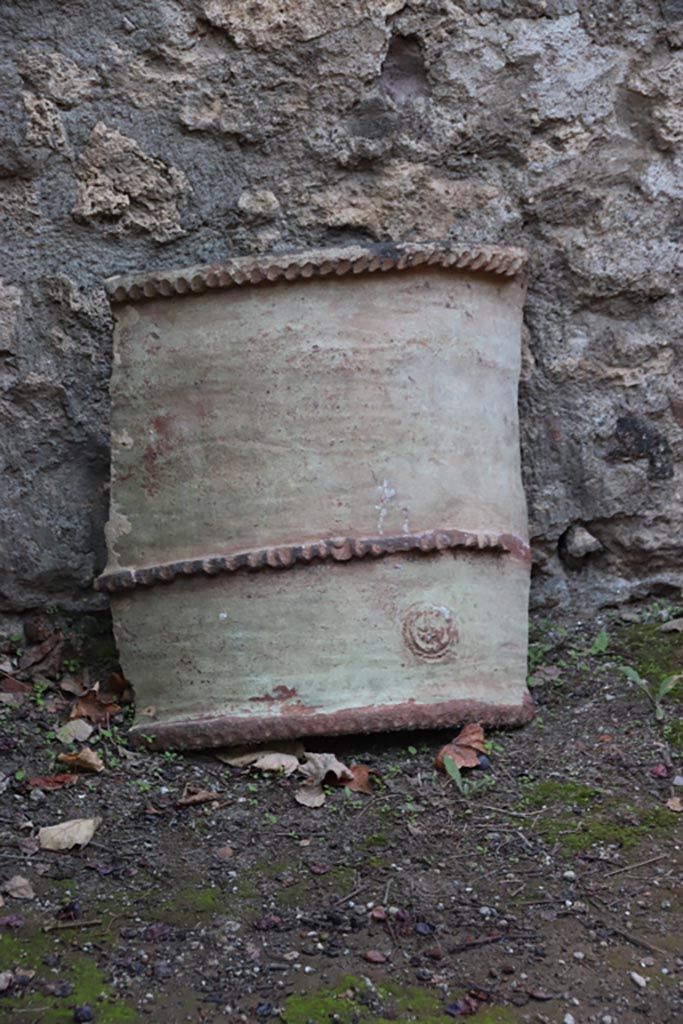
pixel 386 495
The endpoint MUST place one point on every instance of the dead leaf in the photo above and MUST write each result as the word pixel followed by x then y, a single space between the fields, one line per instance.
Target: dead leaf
pixel 310 796
pixel 43 659
pixel 86 760
pixel 359 781
pixel 52 782
pixel 674 626
pixel 274 762
pixel 8 684
pixel 464 750
pixel 93 707
pixel 75 731
pixel 546 674
pixel 192 796
pixel 117 689
pixel 19 888
pixel 67 834
pixel 675 803
pixel 75 685
pixel 244 757
pixel 318 769
pixel 374 956
pixel 224 852
pixel 15 699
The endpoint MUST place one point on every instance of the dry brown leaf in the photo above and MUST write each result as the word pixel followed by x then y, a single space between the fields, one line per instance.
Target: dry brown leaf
pixel 310 795
pixel 359 781
pixel 93 707
pixel 52 782
pixel 675 803
pixel 224 852
pixel 674 626
pixel 75 731
pixel 274 762
pixel 8 684
pixel 15 699
pixel 67 834
pixel 318 769
pixel 19 888
pixel 464 750
pixel 86 760
pixel 116 689
pixel 192 796
pixel 243 757
pixel 546 674
pixel 77 686
pixel 43 659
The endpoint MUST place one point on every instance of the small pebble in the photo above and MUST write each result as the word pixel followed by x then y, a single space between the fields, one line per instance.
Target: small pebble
pixel 485 911
pixel 36 796
pixel 678 780
pixel 638 979
pixel 578 955
pixel 83 1014
pixel 569 1018
pixel 569 876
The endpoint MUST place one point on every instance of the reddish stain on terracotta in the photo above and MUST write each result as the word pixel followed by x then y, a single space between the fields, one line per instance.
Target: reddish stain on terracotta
pixel 280 693
pixel 163 432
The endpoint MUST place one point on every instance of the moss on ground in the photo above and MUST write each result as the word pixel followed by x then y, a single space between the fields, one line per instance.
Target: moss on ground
pixel 347 1003
pixel 673 734
pixel 80 968
pixel 540 794
pixel 611 824
pixel 652 654
pixel 193 903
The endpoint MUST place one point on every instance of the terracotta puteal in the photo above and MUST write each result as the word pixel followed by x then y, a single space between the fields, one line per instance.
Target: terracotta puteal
pixel 317 523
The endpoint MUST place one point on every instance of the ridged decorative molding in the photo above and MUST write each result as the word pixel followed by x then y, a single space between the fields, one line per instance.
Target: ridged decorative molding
pixel 354 259
pixel 341 549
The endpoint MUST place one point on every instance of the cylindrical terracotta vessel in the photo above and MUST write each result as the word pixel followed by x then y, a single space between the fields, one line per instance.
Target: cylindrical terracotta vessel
pixel 317 517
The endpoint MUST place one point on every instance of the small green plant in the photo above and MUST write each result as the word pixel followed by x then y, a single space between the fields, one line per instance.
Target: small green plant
pixel 270 818
pixel 39 689
pixel 412 751
pixel 601 642
pixel 466 787
pixel 20 775
pixel 656 694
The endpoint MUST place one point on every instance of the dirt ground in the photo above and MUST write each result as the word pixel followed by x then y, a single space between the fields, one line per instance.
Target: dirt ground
pixel 548 891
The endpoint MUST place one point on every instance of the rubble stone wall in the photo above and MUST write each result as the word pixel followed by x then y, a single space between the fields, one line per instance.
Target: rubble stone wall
pixel 145 134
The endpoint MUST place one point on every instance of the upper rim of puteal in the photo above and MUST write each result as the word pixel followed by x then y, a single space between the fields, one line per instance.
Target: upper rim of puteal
pixel 504 261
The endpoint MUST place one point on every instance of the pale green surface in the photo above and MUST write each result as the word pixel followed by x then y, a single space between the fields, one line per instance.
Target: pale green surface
pixel 330 632
pixel 289 412
pixel 382 404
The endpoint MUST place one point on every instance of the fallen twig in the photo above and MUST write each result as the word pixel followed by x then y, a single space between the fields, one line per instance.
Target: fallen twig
pixel 61 925
pixel 638 864
pixel 350 895
pixel 636 940
pixel 484 941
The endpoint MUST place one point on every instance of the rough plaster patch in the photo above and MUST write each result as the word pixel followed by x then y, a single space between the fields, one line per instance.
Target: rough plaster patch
pixel 122 189
pixel 401 199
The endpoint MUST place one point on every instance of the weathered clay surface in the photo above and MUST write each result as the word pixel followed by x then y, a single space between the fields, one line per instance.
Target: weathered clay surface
pixel 351 405
pixel 160 133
